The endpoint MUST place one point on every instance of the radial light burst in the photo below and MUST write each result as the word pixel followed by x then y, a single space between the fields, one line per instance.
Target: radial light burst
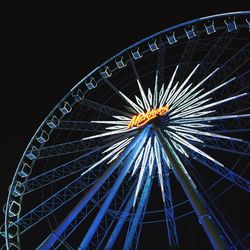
pixel 181 110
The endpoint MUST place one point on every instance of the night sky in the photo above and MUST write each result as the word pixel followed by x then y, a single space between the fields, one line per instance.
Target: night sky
pixel 47 49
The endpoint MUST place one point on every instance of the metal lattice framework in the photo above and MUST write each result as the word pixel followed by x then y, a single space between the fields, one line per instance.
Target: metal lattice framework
pixel 166 110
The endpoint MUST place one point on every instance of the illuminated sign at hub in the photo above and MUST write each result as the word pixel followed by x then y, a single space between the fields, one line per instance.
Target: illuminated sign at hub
pixel 143 118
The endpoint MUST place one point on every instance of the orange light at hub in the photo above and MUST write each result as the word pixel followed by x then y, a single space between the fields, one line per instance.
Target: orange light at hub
pixel 143 118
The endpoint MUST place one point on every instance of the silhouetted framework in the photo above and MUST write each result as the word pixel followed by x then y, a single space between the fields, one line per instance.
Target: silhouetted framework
pixel 165 114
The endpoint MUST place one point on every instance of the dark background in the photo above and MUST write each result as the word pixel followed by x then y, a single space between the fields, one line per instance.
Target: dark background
pixel 47 49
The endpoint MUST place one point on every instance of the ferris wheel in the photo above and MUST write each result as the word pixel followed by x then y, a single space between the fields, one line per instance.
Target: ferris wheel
pixel 170 114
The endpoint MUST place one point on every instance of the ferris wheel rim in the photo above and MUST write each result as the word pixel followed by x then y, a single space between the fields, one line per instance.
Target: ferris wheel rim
pixel 105 63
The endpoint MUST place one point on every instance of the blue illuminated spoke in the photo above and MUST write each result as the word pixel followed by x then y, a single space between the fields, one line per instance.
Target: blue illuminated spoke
pixel 138 213
pixel 88 196
pixel 84 214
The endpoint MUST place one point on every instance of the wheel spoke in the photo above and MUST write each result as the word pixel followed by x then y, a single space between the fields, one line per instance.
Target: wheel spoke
pixel 214 53
pixel 75 146
pixel 79 219
pixel 55 174
pixel 103 108
pixel 51 204
pixel 169 211
pixel 186 57
pixel 81 126
pixel 225 172
pixel 123 216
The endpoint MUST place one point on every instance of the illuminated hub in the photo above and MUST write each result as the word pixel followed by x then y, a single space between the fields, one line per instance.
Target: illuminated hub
pixel 143 118
pixel 179 113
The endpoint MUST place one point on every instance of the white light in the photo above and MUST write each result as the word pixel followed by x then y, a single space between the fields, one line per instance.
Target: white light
pixel 150 97
pixel 161 91
pixel 116 127
pixel 112 122
pixel 138 100
pixel 197 132
pixel 188 118
pixel 213 118
pixel 155 101
pixel 105 158
pixel 151 161
pixel 134 106
pixel 144 98
pixel 117 144
pixel 109 133
pixel 162 101
pixel 144 162
pixel 159 166
pixel 122 118
pixel 178 139
pixel 138 161
pixel 172 92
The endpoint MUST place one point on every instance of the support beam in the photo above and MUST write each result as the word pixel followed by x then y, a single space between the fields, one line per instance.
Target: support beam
pixel 224 172
pixel 186 58
pixel 57 173
pixel 213 232
pixel 103 108
pixel 116 216
pixel 117 91
pixel 138 214
pixel 54 202
pixel 169 209
pixel 88 196
pixel 120 223
pixel 81 126
pixel 121 197
pixel 76 146
pixel 136 148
